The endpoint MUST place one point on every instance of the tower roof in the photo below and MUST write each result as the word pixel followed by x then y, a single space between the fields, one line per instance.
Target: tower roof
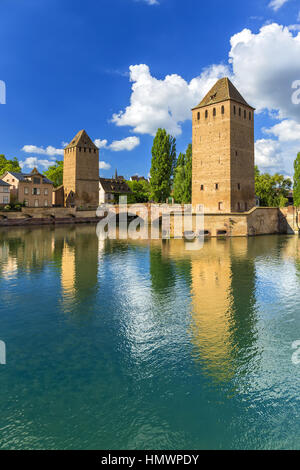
pixel 223 90
pixel 81 139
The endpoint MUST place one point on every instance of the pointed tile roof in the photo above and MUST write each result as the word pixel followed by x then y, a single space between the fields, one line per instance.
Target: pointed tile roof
pixel 223 90
pixel 81 139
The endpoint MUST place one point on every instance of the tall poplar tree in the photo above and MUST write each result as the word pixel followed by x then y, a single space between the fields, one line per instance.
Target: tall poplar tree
pixel 183 177
pixel 297 181
pixel 162 165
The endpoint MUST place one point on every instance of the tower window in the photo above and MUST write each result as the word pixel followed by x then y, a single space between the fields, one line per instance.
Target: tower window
pixel 245 114
pixel 214 112
pixel 201 187
pixel 217 186
pixel 234 109
pixel 236 153
pixel 239 186
pixel 90 150
pixel 240 112
pixel 84 149
pixel 239 206
pixel 198 116
pixel 206 114
pixel 250 116
pixel 79 149
pixel 220 206
pixel 222 110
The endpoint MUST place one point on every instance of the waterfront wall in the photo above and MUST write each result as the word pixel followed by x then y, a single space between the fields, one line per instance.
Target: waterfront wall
pixel 258 221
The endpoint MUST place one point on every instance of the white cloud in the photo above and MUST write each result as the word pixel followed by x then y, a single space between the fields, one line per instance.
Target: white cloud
pixel 265 65
pixel 126 144
pixel 277 4
pixel 104 166
pixel 164 103
pixel 50 151
pixel 129 143
pixel 286 131
pixel 279 153
pixel 267 154
pixel 100 143
pixel 32 162
pixel 151 2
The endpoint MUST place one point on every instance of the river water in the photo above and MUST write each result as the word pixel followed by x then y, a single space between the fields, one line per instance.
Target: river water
pixel 145 345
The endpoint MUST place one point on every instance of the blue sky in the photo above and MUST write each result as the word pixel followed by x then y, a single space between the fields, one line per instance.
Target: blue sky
pixel 122 68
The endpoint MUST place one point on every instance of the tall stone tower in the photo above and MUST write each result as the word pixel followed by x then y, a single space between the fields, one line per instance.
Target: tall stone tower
pixel 223 151
pixel 81 172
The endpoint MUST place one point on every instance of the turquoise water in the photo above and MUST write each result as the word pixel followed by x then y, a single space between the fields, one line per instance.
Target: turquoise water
pixel 144 345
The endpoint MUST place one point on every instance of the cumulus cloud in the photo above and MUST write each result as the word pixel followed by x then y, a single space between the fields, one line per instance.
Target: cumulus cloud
pixel 265 65
pixel 164 103
pixel 100 143
pixel 278 154
pixel 104 166
pixel 126 144
pixel 129 143
pixel 31 162
pixel 277 4
pixel 50 151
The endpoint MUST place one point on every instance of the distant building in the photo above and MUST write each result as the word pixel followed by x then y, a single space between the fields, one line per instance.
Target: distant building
pixel 138 178
pixel 4 193
pixel 111 188
pixel 223 151
pixel 33 189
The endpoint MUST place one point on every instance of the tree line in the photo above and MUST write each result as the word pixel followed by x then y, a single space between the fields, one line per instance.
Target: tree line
pixel 171 176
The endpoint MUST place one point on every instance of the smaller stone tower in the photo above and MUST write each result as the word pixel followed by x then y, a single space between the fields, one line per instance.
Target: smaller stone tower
pixel 81 172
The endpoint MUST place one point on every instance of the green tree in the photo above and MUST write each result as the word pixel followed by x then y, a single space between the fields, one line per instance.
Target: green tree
pixel 9 165
pixel 162 165
pixel 55 173
pixel 179 179
pixel 272 189
pixel 297 181
pixel 183 177
pixel 140 191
